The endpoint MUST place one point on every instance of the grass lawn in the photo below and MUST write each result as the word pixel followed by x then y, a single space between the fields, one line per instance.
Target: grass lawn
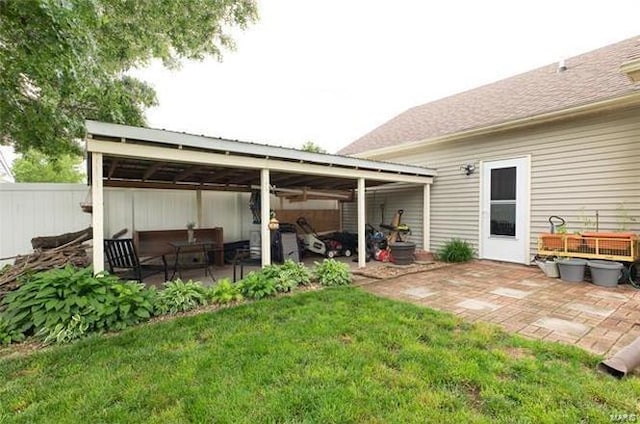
pixel 336 355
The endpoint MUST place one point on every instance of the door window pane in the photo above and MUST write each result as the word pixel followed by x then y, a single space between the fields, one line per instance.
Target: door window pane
pixel 503 219
pixel 503 183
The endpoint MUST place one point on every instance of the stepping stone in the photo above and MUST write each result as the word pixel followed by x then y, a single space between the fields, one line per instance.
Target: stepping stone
pixel 601 294
pixel 563 326
pixel 592 310
pixel 515 293
pixel 478 305
pixel 530 283
pixel 419 292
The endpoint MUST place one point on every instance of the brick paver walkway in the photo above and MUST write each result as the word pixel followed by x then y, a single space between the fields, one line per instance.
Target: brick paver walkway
pixel 522 300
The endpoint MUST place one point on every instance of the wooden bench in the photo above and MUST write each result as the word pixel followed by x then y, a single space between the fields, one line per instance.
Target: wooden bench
pixel 156 242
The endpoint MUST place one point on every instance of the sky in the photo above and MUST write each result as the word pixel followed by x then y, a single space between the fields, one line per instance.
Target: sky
pixel 329 71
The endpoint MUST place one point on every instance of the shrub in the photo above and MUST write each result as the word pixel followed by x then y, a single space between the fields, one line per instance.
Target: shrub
pixel 224 292
pixel 179 296
pixel 259 284
pixel 330 272
pixel 456 250
pixel 290 275
pixel 47 302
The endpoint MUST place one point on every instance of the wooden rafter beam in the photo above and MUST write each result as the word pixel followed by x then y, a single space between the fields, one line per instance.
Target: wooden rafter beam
pixel 187 173
pixel 249 175
pixel 292 178
pixel 217 176
pixel 172 186
pixel 151 170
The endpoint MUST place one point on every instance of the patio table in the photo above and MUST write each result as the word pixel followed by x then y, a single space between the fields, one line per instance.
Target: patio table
pixel 184 247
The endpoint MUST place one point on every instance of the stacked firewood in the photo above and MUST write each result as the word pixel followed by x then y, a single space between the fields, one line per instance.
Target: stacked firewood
pixel 49 253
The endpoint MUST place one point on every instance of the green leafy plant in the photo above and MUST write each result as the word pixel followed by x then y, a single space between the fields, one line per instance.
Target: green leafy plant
pixel 180 296
pixel 224 292
pixel 63 333
pixel 456 250
pixel 47 302
pixel 8 335
pixel 290 275
pixel 330 272
pixel 259 284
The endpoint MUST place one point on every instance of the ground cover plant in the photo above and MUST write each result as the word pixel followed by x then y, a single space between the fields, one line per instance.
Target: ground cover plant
pixel 334 355
pixel 456 250
pixel 64 304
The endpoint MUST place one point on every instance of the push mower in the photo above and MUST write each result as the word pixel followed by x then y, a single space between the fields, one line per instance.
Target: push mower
pixel 323 246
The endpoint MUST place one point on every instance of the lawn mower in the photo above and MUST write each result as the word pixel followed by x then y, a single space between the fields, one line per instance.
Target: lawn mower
pixel 325 246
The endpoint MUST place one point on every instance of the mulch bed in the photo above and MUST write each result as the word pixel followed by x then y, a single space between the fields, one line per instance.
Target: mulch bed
pixel 389 270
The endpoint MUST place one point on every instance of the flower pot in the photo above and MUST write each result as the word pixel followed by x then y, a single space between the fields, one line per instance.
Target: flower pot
pixel 572 269
pixel 605 273
pixel 402 252
pixel 550 268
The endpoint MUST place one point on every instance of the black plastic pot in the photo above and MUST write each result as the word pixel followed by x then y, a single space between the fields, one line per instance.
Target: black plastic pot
pixel 403 252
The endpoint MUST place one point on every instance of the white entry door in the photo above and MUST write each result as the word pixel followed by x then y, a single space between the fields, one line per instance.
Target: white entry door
pixel 505 210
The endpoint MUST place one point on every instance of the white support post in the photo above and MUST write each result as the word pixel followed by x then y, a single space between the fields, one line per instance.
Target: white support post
pixel 265 208
pixel 362 244
pixel 426 218
pixel 199 207
pixel 97 217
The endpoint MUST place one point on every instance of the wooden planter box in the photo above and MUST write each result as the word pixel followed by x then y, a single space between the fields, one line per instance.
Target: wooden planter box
pixel 560 242
pixel 622 247
pixel 619 244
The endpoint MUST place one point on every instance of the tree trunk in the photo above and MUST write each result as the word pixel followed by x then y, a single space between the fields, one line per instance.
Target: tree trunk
pixel 57 241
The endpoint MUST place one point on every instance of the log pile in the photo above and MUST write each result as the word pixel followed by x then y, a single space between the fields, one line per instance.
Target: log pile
pixel 49 253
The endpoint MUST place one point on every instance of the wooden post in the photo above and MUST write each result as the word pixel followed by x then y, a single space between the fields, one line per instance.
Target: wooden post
pixel 97 216
pixel 265 207
pixel 426 218
pixel 362 243
pixel 199 208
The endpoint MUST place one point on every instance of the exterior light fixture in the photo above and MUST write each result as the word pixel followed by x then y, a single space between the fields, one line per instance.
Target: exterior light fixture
pixel 468 168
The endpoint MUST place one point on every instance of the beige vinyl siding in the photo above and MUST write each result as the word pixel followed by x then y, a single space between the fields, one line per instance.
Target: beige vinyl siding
pixel 409 199
pixel 577 167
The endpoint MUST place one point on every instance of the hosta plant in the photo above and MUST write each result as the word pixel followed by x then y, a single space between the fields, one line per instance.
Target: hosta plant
pixel 290 275
pixel 180 296
pixel 258 284
pixel 224 292
pixel 50 300
pixel 330 272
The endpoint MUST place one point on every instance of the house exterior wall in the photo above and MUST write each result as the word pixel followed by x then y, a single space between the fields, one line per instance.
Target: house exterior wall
pixel 387 202
pixel 577 168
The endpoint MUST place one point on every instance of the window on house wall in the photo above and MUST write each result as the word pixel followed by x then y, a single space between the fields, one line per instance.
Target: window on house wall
pixel 503 202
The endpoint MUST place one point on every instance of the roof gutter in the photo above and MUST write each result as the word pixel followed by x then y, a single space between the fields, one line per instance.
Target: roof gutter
pixel 628 100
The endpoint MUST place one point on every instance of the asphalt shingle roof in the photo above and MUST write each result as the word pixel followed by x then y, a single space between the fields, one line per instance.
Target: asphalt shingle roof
pixel 589 78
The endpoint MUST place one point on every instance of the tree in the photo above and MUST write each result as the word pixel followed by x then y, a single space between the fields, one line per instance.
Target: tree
pixel 312 147
pixel 62 62
pixel 35 167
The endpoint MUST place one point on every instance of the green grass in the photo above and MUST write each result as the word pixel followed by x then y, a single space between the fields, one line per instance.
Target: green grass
pixel 336 355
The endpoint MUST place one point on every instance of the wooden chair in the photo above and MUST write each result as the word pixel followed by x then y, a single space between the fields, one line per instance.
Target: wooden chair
pixel 124 261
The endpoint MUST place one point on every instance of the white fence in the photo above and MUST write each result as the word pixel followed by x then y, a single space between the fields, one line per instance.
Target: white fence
pixel 30 210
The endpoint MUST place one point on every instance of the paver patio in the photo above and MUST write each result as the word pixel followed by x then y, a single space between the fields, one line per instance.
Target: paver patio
pixel 523 300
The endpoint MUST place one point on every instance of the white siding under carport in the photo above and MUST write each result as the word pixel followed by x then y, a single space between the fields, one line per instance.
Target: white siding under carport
pixel 577 167
pixel 382 204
